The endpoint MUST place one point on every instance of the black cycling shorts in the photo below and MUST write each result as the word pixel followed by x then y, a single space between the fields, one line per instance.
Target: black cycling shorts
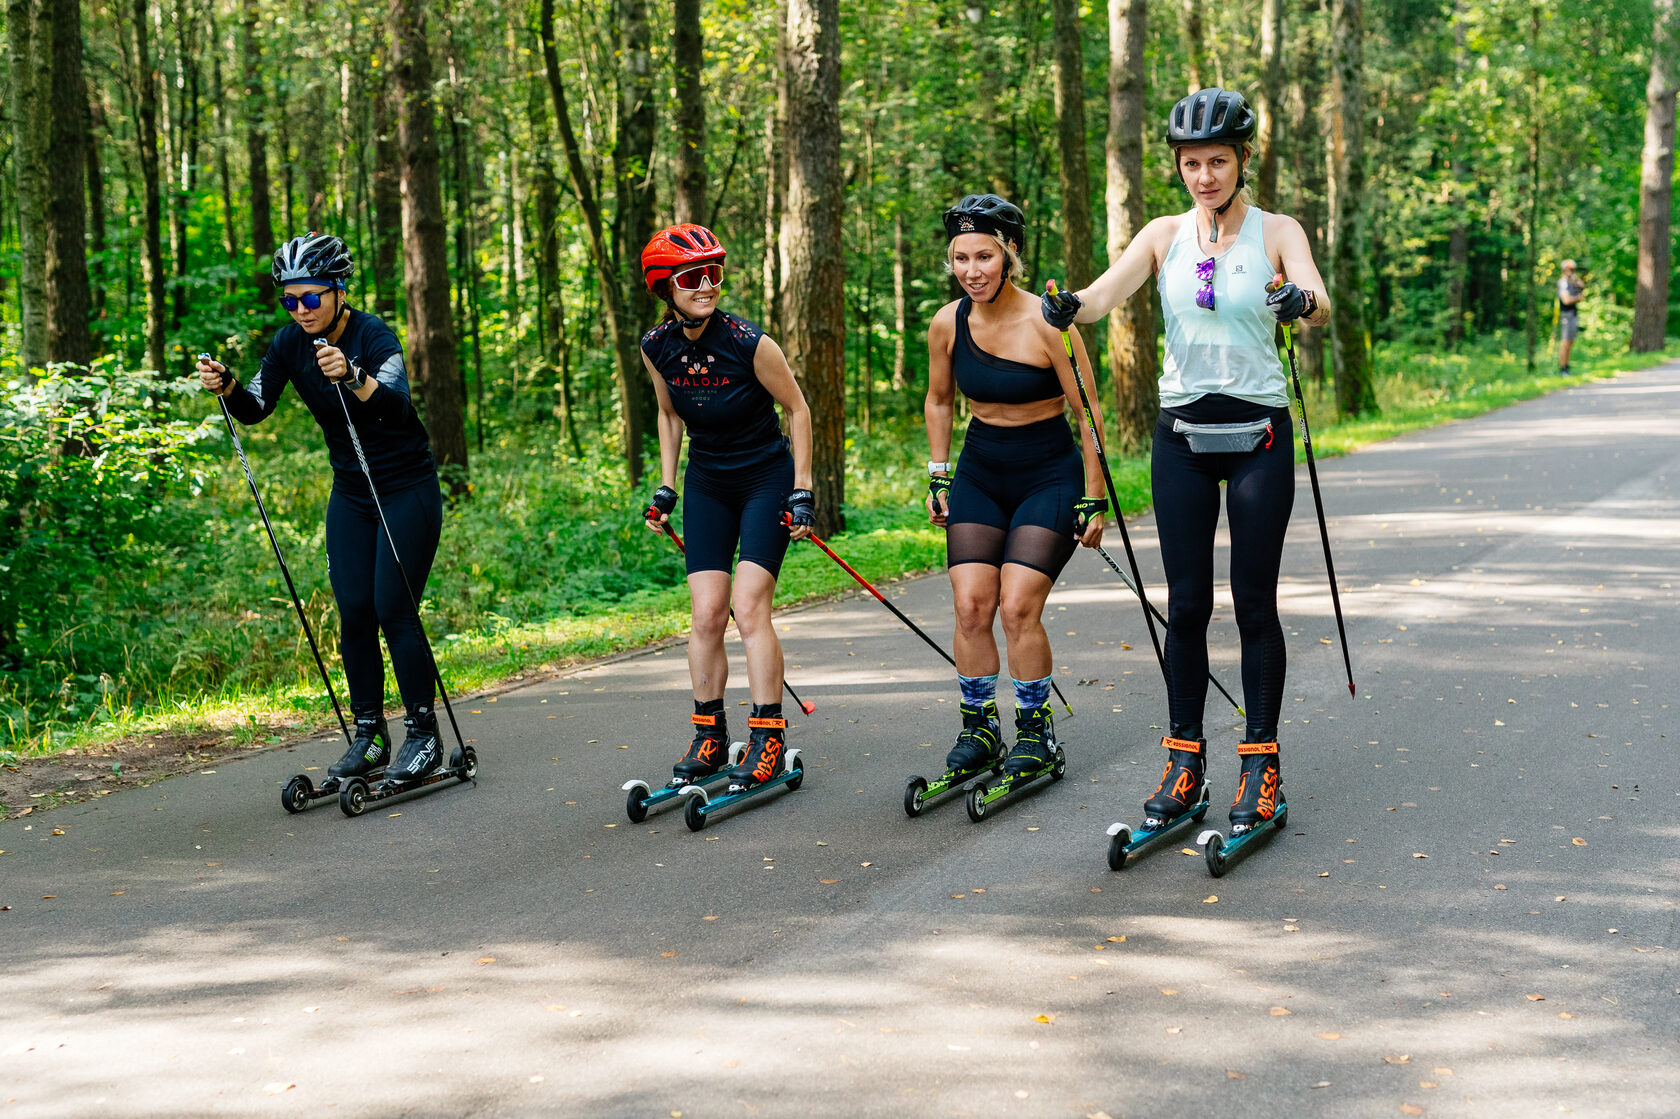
pixel 1012 498
pixel 741 505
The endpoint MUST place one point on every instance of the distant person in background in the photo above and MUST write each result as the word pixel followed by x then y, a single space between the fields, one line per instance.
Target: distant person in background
pixel 1570 287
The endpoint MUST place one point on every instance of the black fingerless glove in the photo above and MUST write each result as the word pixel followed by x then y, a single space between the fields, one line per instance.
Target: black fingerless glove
pixel 1086 508
pixel 1060 308
pixel 664 501
pixel 1289 303
pixel 940 487
pixel 801 508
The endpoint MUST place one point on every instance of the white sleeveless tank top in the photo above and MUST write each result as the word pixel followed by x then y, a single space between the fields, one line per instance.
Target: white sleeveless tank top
pixel 1231 349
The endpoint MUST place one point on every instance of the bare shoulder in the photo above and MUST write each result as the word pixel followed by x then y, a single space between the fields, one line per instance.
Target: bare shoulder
pixel 1277 227
pixel 944 324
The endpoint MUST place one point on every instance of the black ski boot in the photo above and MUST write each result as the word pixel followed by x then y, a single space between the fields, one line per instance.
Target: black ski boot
pixel 370 750
pixel 709 752
pixel 765 747
pixel 422 748
pixel 1181 782
pixel 978 743
pixel 1259 789
pixel 1035 741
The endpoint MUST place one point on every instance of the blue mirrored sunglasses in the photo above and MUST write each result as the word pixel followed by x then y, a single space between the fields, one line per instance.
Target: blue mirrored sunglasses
pixel 310 300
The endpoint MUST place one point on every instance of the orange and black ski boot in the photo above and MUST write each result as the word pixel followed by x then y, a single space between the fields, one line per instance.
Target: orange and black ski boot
pixel 1259 789
pixel 765 746
pixel 709 752
pixel 1181 782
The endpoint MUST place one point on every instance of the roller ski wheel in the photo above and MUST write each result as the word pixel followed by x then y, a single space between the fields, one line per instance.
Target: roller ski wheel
pixel 976 802
pixel 353 797
pixel 635 804
pixel 357 795
pixel 701 804
pixel 640 798
pixel 915 796
pixel 297 794
pixel 694 814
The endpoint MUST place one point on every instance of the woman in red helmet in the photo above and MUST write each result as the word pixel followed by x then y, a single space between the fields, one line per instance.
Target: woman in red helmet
pixel 719 377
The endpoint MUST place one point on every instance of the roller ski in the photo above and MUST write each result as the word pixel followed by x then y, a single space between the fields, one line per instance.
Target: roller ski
pixel 367 757
pixel 709 758
pixel 418 764
pixel 767 764
pixel 1258 811
pixel 978 749
pixel 1181 798
pixel 1036 755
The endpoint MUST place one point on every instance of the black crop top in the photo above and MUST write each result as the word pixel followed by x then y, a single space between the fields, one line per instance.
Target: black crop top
pixel 731 418
pixel 994 380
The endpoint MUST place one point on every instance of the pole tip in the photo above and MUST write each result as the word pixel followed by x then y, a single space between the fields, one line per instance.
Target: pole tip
pixel 808 707
pixel 1351 692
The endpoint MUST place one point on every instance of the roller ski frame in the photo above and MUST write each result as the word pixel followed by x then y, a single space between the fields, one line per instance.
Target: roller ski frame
pixel 357 794
pixel 701 804
pixel 920 790
pixel 643 796
pixel 1221 852
pixel 1125 841
pixel 300 793
pixel 982 796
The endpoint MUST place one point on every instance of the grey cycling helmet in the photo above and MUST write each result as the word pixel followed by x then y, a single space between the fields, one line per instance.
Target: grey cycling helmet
pixel 1212 116
pixel 314 258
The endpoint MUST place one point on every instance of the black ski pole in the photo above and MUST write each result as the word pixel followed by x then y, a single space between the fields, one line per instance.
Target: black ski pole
pixel 1318 499
pixel 914 628
pixel 285 572
pixel 1113 498
pixel 1126 579
pixel 361 457
pixel 653 512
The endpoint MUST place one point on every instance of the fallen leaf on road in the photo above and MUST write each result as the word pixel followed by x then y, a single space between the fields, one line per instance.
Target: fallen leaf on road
pixel 828 881
pixel 310 1009
pixel 487 959
pixel 1577 841
pixel 1419 855
pixel 1402 1059
pixel 1279 1012
pixel 1566 1014
pixel 1188 851
pixel 1322 1084
pixel 1168 991
pixel 48 897
pixel 1210 899
pixel 1046 1019
pixel 667 955
pixel 1117 940
pixel 1427 1084
pixel 276 1088
pixel 866 864
pixel 1175 1029
pixel 1536 998
pixel 1233 1074
pixel 1331 1037
pixel 1410 1109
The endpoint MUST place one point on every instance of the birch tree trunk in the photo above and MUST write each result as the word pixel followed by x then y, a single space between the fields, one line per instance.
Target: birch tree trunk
pixel 28 108
pixel 1656 188
pixel 1132 347
pixel 432 357
pixel 814 334
pixel 1354 392
pixel 1069 77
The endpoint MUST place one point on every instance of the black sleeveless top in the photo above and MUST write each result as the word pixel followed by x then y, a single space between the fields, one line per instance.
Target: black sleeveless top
pixel 995 380
pixel 731 418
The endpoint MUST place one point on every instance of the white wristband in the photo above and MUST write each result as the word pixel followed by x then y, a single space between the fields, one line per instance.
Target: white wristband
pixel 938 468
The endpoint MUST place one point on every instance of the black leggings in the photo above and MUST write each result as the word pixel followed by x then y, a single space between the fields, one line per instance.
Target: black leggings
pixel 1260 492
pixel 370 593
pixel 741 504
pixel 1012 498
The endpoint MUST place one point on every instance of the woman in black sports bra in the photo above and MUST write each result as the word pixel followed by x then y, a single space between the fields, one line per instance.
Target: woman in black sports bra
pixel 1018 504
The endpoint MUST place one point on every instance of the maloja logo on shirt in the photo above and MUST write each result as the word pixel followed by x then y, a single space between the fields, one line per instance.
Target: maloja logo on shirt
pixel 694 375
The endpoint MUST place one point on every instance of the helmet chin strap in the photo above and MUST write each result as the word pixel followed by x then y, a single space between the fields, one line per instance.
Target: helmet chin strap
pixel 338 314
pixel 1213 234
pixel 683 320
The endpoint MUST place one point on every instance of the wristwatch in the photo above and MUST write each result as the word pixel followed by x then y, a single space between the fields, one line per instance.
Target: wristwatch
pixel 936 468
pixel 356 379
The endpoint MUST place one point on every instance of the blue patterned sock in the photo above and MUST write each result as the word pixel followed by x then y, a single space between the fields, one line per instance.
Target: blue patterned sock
pixel 1032 693
pixel 977 691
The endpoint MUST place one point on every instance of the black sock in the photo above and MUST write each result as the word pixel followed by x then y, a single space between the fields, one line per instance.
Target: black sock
pixel 708 706
pixel 767 710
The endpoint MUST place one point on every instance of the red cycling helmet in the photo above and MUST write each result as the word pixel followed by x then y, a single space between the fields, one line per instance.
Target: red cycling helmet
pixel 677 247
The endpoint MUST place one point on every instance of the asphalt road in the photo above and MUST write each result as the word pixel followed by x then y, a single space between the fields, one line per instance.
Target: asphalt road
pixel 1471 912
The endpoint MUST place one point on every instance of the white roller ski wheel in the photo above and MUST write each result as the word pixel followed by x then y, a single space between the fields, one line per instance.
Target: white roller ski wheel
pixel 914 796
pixel 797 769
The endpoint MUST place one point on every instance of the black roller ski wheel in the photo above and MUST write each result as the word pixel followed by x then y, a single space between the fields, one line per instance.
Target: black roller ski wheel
pixel 1214 852
pixel 1117 849
pixel 1200 812
pixel 294 798
pixel 352 798
pixel 1281 818
pixel 633 806
pixel 1059 769
pixel 975 803
pixel 693 815
pixel 798 777
pixel 469 764
pixel 913 794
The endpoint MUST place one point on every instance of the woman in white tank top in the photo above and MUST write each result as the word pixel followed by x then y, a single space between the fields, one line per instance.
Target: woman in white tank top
pixel 1224 419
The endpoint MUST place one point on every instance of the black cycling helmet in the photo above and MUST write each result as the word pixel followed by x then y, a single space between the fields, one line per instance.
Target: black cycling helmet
pixel 987 213
pixel 1212 116
pixel 314 258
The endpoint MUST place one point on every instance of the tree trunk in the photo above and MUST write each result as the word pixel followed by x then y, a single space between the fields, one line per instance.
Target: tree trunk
pixel 145 124
pixel 1132 347
pixel 1531 318
pixel 1458 240
pixel 688 59
pixel 387 204
pixel 815 332
pixel 1354 392
pixel 224 136
pixel 28 105
pixel 181 126
pixel 1266 104
pixel 96 210
pixel 1656 188
pixel 431 335
pixel 1068 73
pixel 633 165
pixel 314 161
pixel 616 306
pixel 66 247
pixel 775 179
pixel 1307 133
pixel 901 300
pixel 256 150
pixel 1195 46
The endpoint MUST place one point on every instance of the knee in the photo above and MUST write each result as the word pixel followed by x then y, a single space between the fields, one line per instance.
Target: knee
pixel 975 610
pixel 1021 616
pixel 1188 611
pixel 710 622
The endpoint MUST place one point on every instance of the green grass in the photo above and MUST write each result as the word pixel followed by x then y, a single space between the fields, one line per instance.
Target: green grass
pixel 543 567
